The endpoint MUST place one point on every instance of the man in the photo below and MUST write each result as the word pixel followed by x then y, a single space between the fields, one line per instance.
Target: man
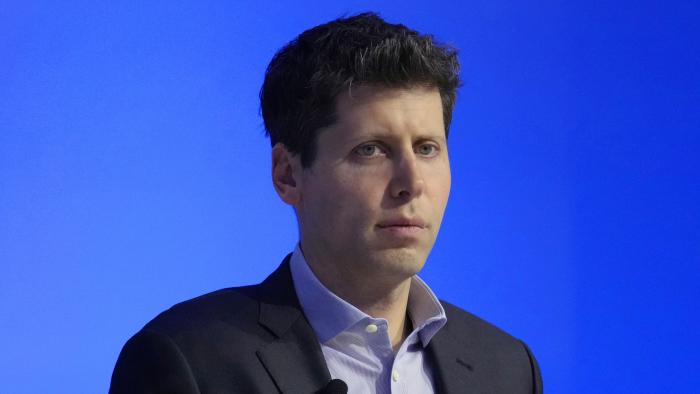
pixel 358 112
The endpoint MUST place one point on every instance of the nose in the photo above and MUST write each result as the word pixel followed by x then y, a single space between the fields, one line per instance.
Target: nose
pixel 407 181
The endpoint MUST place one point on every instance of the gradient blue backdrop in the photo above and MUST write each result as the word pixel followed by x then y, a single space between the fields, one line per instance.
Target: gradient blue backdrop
pixel 134 174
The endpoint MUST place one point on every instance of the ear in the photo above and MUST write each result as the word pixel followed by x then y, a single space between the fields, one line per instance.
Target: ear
pixel 286 174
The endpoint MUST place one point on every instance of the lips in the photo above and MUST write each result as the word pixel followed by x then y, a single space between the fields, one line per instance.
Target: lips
pixel 402 222
pixel 402 230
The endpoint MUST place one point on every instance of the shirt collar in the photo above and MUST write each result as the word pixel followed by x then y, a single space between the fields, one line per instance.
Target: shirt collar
pixel 329 315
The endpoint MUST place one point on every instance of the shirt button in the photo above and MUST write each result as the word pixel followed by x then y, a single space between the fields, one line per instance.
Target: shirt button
pixel 395 375
pixel 371 328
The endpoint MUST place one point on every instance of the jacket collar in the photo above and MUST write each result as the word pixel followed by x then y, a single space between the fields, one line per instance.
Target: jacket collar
pixel 293 358
pixel 452 369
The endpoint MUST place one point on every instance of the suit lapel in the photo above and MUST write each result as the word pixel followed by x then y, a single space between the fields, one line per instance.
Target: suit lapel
pixel 293 359
pixel 452 370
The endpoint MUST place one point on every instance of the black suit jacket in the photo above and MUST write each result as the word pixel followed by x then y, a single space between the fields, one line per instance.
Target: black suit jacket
pixel 256 339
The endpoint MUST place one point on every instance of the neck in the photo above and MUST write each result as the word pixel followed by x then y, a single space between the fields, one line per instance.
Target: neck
pixel 374 295
pixel 391 306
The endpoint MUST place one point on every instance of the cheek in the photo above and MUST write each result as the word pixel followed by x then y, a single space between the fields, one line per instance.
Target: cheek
pixel 361 185
pixel 332 199
pixel 349 195
pixel 353 201
pixel 446 186
pixel 439 181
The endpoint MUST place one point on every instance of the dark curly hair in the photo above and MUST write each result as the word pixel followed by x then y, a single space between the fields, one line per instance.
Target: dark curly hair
pixel 304 78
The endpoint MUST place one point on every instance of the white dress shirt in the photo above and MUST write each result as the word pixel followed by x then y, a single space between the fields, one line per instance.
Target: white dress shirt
pixel 357 347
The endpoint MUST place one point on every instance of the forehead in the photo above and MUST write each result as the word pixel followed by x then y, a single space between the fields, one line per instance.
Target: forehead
pixel 372 109
pixel 363 96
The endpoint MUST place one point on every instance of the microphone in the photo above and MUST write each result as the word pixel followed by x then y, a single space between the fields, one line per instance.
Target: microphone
pixel 335 386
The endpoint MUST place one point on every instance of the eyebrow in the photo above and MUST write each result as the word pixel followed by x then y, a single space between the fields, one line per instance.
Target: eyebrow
pixel 383 135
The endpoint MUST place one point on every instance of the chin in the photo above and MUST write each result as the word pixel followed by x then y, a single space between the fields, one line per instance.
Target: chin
pixel 404 262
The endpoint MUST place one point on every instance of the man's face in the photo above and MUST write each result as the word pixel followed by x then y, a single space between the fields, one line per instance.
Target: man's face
pixel 372 201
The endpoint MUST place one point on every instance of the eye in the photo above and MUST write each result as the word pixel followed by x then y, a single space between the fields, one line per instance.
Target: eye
pixel 428 150
pixel 369 150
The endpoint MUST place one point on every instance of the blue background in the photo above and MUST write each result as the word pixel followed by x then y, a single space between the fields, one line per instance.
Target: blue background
pixel 134 174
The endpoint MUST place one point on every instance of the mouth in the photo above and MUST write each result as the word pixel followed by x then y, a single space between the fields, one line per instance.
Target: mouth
pixel 403 228
pixel 403 222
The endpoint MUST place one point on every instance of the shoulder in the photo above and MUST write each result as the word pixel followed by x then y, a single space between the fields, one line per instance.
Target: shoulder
pixel 195 330
pixel 491 349
pixel 470 331
pixel 230 305
pixel 209 340
pixel 225 314
pixel 473 328
pixel 232 313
